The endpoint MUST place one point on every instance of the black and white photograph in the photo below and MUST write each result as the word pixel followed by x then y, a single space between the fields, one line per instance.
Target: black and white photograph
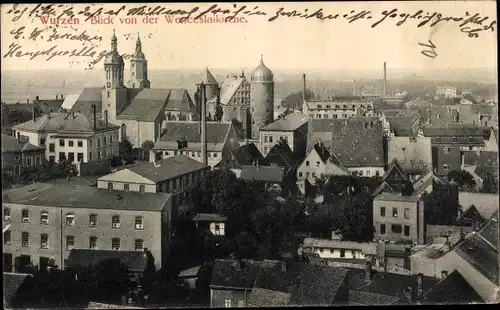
pixel 260 154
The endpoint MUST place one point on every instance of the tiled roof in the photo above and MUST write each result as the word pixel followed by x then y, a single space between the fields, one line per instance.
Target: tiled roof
pixel 190 131
pixel 486 204
pixel 453 289
pixel 355 142
pixel 11 284
pixel 395 197
pixel 418 103
pixel 402 125
pixel 229 88
pixel 146 105
pixel 366 247
pixel 246 154
pixel 10 145
pixel 260 297
pixel 424 181
pixel 88 97
pixel 209 217
pixel 179 100
pixel 359 298
pixel 322 151
pixel 414 155
pixel 47 106
pixel 263 173
pixel 394 165
pixel 289 123
pixel 167 168
pixel 208 79
pixel 400 113
pixel 226 273
pixel 82 196
pixel 134 260
pixel 190 272
pixel 452 130
pixel 64 123
pixel 282 155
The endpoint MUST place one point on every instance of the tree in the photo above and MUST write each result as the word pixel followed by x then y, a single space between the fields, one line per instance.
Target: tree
pixel 294 100
pixel 107 281
pixel 145 148
pixel 218 113
pixel 490 183
pixel 441 206
pixel 125 151
pixel 463 178
pixel 66 168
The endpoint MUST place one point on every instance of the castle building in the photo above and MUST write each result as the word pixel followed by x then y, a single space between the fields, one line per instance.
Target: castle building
pixel 261 98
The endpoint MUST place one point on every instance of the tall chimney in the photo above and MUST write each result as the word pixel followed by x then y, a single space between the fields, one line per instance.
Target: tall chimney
pixel 94 116
pixel 354 87
pixel 203 101
pixel 33 113
pixel 385 79
pixel 304 89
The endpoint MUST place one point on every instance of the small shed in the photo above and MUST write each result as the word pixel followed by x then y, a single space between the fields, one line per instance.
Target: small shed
pixel 189 277
pixel 211 221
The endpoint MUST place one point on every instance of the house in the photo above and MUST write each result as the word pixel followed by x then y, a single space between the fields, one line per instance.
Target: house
pixel 190 277
pixel 292 129
pixel 176 175
pixel 16 289
pixel 136 261
pixel 281 155
pixel 85 217
pixel 246 154
pixel 17 155
pixel 214 223
pixel 397 218
pixel 339 107
pixel 486 204
pixel 394 180
pixel 83 139
pixel 184 138
pixel 272 176
pixel 403 126
pixel 413 154
pixel 426 184
pixel 340 251
pixel 356 144
pixel 446 91
pixel 247 283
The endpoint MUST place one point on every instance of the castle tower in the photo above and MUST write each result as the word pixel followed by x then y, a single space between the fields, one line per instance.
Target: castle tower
pixel 212 91
pixel 114 93
pixel 138 68
pixel 261 98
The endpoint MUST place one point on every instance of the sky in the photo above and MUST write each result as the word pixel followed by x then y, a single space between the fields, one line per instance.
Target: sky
pixel 286 43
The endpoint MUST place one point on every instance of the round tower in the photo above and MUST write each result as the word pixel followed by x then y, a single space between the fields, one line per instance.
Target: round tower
pixel 211 85
pixel 113 66
pixel 261 98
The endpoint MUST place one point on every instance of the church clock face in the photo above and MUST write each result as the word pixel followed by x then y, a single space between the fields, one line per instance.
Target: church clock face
pixel 109 84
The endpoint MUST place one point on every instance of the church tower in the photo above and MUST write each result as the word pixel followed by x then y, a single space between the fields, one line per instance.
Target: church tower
pixel 138 68
pixel 261 98
pixel 114 93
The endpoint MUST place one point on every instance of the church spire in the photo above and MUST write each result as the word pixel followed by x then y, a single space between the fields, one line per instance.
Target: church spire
pixel 138 45
pixel 113 42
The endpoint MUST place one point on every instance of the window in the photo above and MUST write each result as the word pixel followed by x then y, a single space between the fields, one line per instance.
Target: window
pixel 240 303
pixel 29 161
pixel 110 185
pixel 110 139
pixel 80 143
pixel 104 140
pixel 342 252
pixel 25 215
pixel 407 231
pixel 307 174
pixel 6 237
pixel 317 164
pixel 331 251
pixel 407 213
pixel 79 157
pixel 61 142
pixel 6 214
pixel 98 142
pixel 115 221
pixel 42 142
pixel 44 241
pixel 217 229
pixel 226 302
pixel 37 161
pixel 70 219
pixel 314 174
pixel 454 139
pixel 300 174
pixel 70 243
pixel 394 212
pixel 71 157
pixel 142 188
pixel 44 217
pixel 52 159
pixel 25 239
pixel 126 187
pixel 396 228
pixel 321 250
pixel 90 143
pixel 62 156
pixel 93 220
pixel 115 244
pixel 70 143
pixel 446 167
pixel 382 211
pixel 93 243
pixel 307 163
pixel 382 229
pixel 175 153
pixel 139 222
pixel 139 245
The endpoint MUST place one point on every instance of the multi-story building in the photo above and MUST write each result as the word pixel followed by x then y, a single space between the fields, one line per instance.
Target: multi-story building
pixel 47 221
pixel 177 176
pixel 338 107
pixel 77 137
pixel 245 155
pixel 292 129
pixel 184 138
pixel 446 91
pixel 17 155
pixel 398 218
pixel 341 251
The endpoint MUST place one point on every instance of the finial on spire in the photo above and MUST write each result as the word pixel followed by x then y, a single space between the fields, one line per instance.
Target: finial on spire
pixel 261 58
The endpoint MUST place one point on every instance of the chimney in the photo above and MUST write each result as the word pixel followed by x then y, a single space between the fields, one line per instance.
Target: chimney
pixel 304 89
pixel 106 119
pixel 37 98
pixel 62 97
pixel 257 164
pixel 94 116
pixel 203 101
pixel 420 282
pixel 385 79
pixel 354 87
pixel 57 97
pixel 368 271
pixel 73 115
pixel 33 112
pixel 283 266
pixel 27 101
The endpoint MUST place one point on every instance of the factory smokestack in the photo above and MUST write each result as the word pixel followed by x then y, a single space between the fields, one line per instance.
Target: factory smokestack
pixel 304 88
pixel 354 87
pixel 385 79
pixel 203 101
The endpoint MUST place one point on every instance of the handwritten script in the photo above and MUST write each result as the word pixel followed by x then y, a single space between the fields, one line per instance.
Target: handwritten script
pixel 431 51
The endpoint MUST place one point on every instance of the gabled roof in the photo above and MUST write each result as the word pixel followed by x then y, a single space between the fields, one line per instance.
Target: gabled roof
pixel 209 217
pixel 246 154
pixel 180 100
pixel 414 155
pixel 134 260
pixel 229 88
pixel 289 123
pixel 227 273
pixel 395 197
pixel 11 145
pixel 424 181
pixel 396 167
pixel 359 298
pixel 322 151
pixel 146 105
pixel 190 131
pixel 455 130
pixel 486 204
pixel 453 289
pixel 167 168
pixel 263 173
pixel 12 282
pixel 260 297
pixel 88 97
pixel 402 125
pixel 84 196
pixel 65 123
pixel 282 155
pixel 208 79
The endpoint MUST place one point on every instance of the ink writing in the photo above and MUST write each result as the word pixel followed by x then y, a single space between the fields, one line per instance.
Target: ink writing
pixel 431 51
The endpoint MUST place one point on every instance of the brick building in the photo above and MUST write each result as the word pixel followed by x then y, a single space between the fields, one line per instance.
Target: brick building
pixel 17 155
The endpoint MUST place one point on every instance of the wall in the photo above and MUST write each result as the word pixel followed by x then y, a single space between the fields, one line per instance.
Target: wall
pixel 265 147
pixel 315 166
pixel 217 296
pixel 133 187
pixel 94 168
pixel 151 234
pixel 335 253
pixel 10 160
pixel 388 220
pixel 213 159
pixel 368 171
pixel 261 105
pixel 299 142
